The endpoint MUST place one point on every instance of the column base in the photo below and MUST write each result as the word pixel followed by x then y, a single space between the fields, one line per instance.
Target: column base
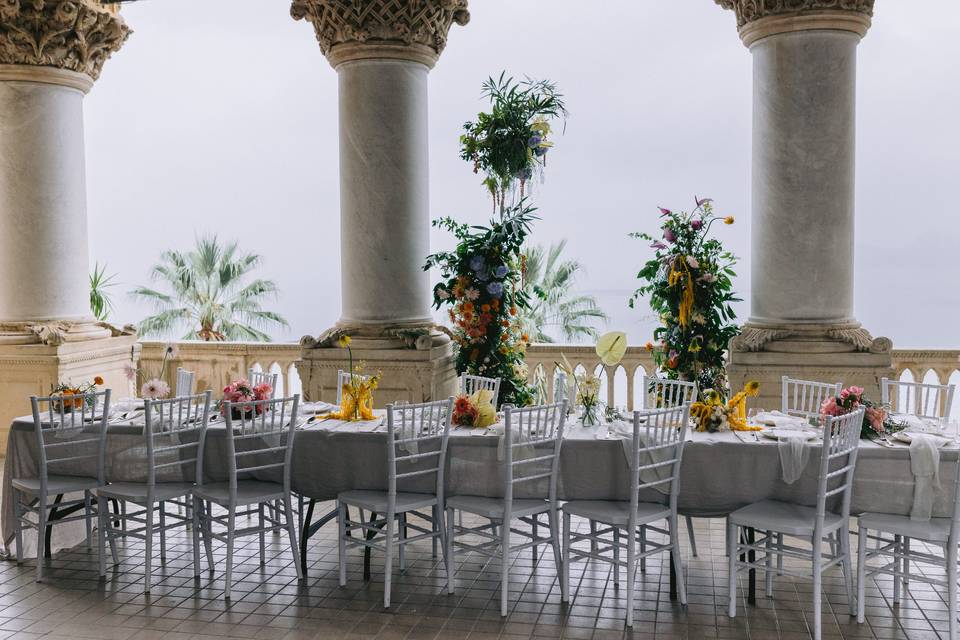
pixel 33 369
pixel 417 363
pixel 844 353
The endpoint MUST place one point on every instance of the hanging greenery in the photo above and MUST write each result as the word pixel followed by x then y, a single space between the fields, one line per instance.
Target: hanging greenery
pixel 482 278
pixel 688 282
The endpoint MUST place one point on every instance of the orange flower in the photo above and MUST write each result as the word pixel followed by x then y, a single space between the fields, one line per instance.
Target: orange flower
pixel 468 307
pixel 495 303
pixel 98 381
pixel 504 350
pixel 648 346
pixel 525 337
pixel 728 220
pixel 513 311
pixel 485 308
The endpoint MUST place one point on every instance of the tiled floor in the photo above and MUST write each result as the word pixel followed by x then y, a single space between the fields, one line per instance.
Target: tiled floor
pixel 268 603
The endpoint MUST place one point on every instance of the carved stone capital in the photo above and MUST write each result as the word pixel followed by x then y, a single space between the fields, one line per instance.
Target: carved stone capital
pixel 394 29
pixel 73 36
pixel 755 338
pixel 54 333
pixel 758 19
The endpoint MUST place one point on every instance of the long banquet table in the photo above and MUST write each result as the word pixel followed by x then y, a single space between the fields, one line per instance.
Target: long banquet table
pixel 720 473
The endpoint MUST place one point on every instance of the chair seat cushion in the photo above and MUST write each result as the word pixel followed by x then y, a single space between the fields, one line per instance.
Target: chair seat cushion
pixel 56 484
pixel 783 517
pixel 248 492
pixel 616 512
pixel 137 491
pixel 934 529
pixel 493 507
pixel 376 501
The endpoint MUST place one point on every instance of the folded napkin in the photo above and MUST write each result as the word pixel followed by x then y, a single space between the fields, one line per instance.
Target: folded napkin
pixel 925 466
pixel 779 419
pixel 916 424
pixel 794 454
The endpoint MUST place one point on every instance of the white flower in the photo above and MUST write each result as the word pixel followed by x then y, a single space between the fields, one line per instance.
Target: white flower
pixel 171 350
pixel 154 389
pixel 443 294
pixel 472 293
pixel 709 277
pixel 698 318
pixel 693 262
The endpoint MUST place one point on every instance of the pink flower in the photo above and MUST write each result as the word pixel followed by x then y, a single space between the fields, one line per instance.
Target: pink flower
pixel 875 416
pixel 262 391
pixel 154 389
pixel 658 245
pixel 669 235
pixel 830 407
pixel 696 225
pixel 664 212
pixel 130 371
pixel 693 262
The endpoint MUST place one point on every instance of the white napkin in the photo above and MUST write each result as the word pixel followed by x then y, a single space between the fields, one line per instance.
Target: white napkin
pixel 916 423
pixel 779 419
pixel 925 465
pixel 794 454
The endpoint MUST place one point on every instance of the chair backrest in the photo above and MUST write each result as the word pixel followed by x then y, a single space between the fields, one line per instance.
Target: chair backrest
pixel 662 393
pixel 917 398
pixel 471 384
pixel 539 430
pixel 658 437
pixel 174 431
pixel 185 382
pixel 345 377
pixel 838 460
pixel 263 377
pixel 259 437
pixel 73 436
pixel 803 397
pixel 417 436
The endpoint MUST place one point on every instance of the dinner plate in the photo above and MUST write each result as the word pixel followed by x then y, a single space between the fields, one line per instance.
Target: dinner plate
pixel 782 434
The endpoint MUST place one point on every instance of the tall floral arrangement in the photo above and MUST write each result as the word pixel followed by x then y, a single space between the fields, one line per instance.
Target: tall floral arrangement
pixel 688 284
pixel 482 279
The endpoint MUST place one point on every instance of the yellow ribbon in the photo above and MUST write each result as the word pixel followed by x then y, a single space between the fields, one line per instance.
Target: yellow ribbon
pixel 684 278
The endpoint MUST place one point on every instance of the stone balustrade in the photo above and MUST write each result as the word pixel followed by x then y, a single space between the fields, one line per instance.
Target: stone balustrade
pixel 217 363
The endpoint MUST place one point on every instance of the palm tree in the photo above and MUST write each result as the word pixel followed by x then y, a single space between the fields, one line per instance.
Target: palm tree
pixel 101 300
pixel 209 295
pixel 549 282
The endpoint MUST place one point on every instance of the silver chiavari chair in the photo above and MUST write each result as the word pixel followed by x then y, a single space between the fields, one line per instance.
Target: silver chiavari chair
pixel 803 398
pixel 259 439
pixel 774 519
pixel 531 454
pixel 471 384
pixel 916 398
pixel 417 436
pixel 654 464
pixel 263 377
pixel 173 432
pixel 71 434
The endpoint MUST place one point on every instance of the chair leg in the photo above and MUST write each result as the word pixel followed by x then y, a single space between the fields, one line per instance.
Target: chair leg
pixel 206 513
pixel 18 524
pixel 437 528
pixel 292 534
pixel 448 549
pixel 504 566
pixel 643 548
pixel 102 534
pixel 565 568
pixel 401 544
pixel 843 540
pixel 231 531
pixel 779 554
pixel 616 556
pixel 906 564
pixel 388 558
pixel 631 572
pixel 533 531
pixel 263 535
pixel 952 587
pixel 732 544
pixel 861 572
pixel 148 545
pixel 193 513
pixel 554 519
pixel 693 538
pixel 768 567
pixel 342 527
pixel 163 532
pixel 817 587
pixel 41 529
pixel 897 556
pixel 677 562
pixel 593 533
pixel 88 519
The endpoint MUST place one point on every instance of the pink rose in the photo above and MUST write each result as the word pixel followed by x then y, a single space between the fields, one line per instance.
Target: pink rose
pixel 875 416
pixel 830 407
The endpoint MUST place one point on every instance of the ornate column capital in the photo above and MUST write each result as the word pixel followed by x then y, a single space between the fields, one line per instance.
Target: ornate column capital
pixel 58 41
pixel 398 29
pixel 758 19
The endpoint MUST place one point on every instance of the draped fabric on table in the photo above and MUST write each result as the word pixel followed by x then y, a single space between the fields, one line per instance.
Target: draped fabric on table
pixel 720 472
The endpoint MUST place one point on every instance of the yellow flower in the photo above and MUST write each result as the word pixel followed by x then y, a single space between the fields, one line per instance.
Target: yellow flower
pixel 648 346
pixel 98 381
pixel 344 341
pixel 752 388
pixel 728 220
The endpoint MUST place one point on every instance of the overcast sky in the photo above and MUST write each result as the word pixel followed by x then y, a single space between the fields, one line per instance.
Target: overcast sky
pixel 221 116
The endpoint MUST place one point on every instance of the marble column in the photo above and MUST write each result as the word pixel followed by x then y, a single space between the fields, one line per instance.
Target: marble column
pixel 51 53
pixel 802 319
pixel 382 52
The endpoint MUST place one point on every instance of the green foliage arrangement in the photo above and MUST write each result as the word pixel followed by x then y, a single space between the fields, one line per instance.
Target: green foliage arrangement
pixel 101 302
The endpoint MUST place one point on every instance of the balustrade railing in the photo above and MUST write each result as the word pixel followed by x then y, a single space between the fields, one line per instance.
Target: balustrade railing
pixel 217 363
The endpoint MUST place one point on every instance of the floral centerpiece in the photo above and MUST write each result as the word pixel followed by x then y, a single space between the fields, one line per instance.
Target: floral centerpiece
pixel 876 418
pixel 689 285
pixel 475 410
pixel 71 396
pixel 482 278
pixel 715 414
pixel 356 398
pixel 153 387
pixel 241 390
pixel 588 397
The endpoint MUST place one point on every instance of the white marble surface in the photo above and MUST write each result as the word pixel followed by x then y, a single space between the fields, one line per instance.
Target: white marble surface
pixel 384 192
pixel 43 247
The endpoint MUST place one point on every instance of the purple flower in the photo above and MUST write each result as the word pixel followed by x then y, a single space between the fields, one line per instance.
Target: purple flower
pixel 534 142
pixel 664 212
pixel 540 151
pixel 700 202
pixel 476 263
pixel 658 245
pixel 672 354
pixel 495 289
pixel 525 174
pixel 696 225
pixel 500 271
pixel 669 235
